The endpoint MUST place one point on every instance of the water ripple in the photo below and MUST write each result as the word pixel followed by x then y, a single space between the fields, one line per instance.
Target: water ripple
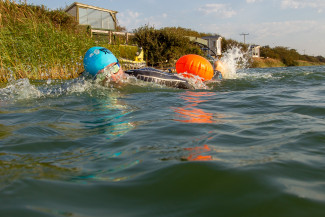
pixel 254 142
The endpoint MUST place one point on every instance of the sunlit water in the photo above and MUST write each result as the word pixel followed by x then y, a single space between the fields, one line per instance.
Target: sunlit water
pixel 251 145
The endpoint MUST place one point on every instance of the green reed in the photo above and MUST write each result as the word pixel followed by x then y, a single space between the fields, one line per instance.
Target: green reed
pixel 36 43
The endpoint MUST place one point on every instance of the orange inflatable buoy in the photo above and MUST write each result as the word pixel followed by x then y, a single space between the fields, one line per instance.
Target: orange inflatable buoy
pixel 195 65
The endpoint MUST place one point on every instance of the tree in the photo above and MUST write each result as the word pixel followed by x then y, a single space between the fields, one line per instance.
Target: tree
pixel 227 44
pixel 163 47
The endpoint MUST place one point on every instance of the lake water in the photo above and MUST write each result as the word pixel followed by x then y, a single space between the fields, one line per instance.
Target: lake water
pixel 252 145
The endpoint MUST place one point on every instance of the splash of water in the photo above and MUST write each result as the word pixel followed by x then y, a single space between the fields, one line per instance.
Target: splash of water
pixel 25 89
pixel 234 59
pixel 194 80
pixel 19 89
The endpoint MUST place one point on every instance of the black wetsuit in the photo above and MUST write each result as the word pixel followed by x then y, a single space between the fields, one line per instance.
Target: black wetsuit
pixel 159 77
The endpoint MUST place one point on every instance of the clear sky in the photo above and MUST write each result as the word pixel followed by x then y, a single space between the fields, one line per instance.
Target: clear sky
pixel 297 24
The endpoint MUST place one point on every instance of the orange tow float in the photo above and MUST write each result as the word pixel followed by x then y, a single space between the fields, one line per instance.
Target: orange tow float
pixel 195 65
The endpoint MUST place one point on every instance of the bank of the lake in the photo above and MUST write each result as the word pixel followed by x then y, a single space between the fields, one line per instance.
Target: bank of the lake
pixel 270 62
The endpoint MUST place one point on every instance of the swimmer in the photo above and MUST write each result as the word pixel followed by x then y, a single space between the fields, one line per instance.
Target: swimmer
pixel 100 63
pixel 219 69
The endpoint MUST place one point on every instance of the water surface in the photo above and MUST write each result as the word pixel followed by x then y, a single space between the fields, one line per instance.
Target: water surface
pixel 252 145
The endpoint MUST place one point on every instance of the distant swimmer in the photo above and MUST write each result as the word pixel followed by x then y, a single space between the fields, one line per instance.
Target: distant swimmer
pixel 101 63
pixel 219 68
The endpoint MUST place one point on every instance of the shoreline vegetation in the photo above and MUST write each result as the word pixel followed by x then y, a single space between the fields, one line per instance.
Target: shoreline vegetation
pixel 271 62
pixel 38 43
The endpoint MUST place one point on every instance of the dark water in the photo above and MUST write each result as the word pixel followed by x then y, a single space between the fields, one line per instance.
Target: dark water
pixel 249 146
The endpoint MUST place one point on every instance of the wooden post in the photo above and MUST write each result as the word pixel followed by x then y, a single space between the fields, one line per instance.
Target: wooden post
pixel 126 38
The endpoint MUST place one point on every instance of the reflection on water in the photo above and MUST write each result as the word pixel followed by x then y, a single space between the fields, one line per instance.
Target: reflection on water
pixel 52 141
pixel 191 113
pixel 195 153
pixel 108 120
pixel 311 189
pixel 38 166
pixel 107 117
pixel 5 131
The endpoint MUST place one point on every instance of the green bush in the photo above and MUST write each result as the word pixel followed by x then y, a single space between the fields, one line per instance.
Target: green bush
pixel 290 57
pixel 186 32
pixel 163 47
pixel 227 44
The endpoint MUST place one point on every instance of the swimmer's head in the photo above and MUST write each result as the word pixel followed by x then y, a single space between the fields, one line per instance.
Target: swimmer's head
pixel 98 58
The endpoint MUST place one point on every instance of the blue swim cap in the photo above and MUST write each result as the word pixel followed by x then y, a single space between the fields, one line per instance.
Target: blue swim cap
pixel 97 58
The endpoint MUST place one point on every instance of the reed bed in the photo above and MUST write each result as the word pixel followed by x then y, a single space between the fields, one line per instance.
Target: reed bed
pixel 37 43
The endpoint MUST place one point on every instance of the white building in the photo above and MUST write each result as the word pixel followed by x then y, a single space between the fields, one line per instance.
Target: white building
pixel 97 18
pixel 214 44
pixel 254 50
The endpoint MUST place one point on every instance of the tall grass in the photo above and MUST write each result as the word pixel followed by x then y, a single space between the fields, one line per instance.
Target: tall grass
pixel 37 43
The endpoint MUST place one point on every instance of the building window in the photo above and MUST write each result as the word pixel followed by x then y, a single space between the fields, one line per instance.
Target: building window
pixel 214 43
pixel 108 22
pixel 83 18
pixel 96 19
